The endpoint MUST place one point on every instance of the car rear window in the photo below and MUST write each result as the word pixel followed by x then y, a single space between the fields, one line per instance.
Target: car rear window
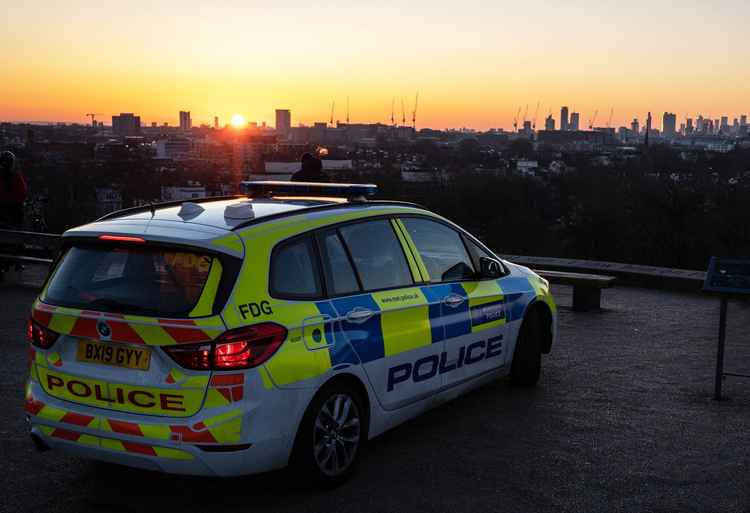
pixel 294 274
pixel 156 281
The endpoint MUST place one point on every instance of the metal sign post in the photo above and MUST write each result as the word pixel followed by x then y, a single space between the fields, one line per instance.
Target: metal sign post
pixel 729 278
pixel 720 350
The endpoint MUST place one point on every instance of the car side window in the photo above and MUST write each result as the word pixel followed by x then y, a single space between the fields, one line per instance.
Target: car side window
pixel 340 276
pixel 441 248
pixel 294 272
pixel 377 254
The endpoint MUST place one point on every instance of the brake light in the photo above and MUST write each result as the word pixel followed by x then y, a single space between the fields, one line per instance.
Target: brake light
pixel 40 336
pixel 242 348
pixel 122 238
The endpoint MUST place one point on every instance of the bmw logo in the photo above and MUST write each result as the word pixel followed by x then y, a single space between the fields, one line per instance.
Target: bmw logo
pixel 103 328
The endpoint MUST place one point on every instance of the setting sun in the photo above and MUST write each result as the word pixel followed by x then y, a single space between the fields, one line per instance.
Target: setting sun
pixel 238 120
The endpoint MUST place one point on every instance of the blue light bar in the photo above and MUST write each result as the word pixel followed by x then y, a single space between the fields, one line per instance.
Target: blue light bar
pixel 274 188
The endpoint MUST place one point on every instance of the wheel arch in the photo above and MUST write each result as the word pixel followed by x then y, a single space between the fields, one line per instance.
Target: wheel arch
pixel 353 381
pixel 546 324
pixel 345 379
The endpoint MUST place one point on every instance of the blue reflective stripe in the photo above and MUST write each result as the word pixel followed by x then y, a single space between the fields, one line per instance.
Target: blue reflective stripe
pixel 457 320
pixel 518 293
pixel 447 322
pixel 488 312
pixel 367 337
pixel 435 295
pixel 340 350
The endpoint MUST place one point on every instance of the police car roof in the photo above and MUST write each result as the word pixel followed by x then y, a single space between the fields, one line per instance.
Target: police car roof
pixel 214 212
pixel 230 213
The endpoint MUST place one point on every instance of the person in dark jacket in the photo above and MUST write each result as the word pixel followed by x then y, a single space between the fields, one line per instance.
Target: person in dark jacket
pixel 12 192
pixel 311 170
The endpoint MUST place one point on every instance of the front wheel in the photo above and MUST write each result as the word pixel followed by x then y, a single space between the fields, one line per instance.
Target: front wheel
pixel 330 436
pixel 527 357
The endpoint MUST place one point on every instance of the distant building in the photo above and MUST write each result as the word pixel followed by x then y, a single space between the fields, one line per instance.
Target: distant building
pixel 724 127
pixel 185 122
pixel 549 123
pixel 108 199
pixel 669 125
pixel 689 126
pixel 575 121
pixel 635 127
pixel 564 119
pixel 527 167
pixel 216 122
pixel 283 122
pixel 182 193
pixel 580 138
pixel 126 124
pixel 173 147
pixel 743 120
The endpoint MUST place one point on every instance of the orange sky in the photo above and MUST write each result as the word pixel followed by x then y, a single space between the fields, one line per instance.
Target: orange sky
pixel 474 62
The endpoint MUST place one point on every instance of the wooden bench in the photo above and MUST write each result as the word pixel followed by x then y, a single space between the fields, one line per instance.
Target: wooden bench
pixel 587 288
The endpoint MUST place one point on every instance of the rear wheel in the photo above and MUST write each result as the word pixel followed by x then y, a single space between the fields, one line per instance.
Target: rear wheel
pixel 527 357
pixel 330 436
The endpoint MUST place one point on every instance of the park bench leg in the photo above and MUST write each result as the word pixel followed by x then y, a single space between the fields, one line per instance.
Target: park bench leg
pixel 586 299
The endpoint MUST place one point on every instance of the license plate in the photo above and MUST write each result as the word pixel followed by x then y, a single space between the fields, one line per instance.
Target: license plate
pixel 117 355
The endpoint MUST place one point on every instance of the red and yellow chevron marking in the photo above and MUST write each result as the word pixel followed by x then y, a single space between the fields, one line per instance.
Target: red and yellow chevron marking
pixel 224 389
pixel 130 329
pixel 220 429
pixel 116 445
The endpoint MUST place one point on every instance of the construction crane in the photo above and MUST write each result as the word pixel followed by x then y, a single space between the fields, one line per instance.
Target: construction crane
pixel 333 106
pixel 609 120
pixel 93 115
pixel 593 119
pixel 515 120
pixel 536 113
pixel 414 112
pixel 525 113
pixel 403 113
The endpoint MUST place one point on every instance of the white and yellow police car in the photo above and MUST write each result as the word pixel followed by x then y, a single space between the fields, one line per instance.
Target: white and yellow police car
pixel 238 335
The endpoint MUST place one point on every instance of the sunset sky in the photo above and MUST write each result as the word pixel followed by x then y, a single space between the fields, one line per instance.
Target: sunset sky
pixel 473 62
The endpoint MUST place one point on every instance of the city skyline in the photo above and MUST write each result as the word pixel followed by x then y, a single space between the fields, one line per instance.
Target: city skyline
pixel 568 120
pixel 472 67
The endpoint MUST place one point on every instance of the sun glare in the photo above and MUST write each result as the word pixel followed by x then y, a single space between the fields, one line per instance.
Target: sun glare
pixel 238 120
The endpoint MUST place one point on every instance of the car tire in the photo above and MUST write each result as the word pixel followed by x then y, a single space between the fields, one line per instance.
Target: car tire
pixel 527 357
pixel 330 437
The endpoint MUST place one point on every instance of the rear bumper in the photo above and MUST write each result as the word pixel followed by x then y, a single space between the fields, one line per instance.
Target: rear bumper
pixel 182 460
pixel 251 436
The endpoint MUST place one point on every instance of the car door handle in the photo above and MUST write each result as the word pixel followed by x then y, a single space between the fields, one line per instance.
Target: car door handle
pixel 453 300
pixel 358 315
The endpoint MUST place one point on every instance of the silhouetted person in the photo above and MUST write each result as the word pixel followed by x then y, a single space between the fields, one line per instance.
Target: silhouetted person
pixel 311 170
pixel 12 192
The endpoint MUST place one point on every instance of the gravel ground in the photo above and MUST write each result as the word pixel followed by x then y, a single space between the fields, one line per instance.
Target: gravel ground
pixel 622 420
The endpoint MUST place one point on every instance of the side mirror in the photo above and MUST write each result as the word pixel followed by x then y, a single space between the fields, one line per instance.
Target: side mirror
pixel 490 268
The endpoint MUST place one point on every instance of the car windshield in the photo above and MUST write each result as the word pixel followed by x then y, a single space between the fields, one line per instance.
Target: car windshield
pixel 148 281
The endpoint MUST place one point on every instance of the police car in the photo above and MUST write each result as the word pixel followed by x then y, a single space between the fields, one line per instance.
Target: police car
pixel 238 335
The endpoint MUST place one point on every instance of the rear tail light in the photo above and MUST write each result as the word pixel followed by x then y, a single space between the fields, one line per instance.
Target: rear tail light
pixel 40 336
pixel 196 357
pixel 242 348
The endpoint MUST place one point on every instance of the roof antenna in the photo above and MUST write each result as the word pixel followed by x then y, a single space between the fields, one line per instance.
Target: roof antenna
pixel 152 208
